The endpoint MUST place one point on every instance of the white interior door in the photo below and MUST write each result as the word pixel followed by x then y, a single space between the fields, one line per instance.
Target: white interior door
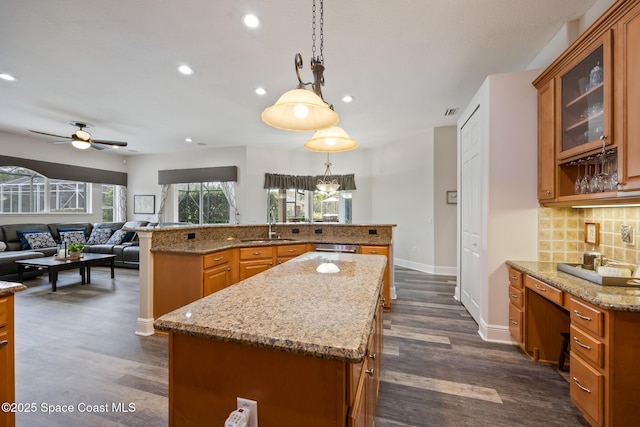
pixel 471 214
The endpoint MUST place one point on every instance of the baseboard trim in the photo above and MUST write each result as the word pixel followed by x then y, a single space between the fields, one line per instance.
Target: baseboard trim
pixel 494 333
pixel 144 327
pixel 426 268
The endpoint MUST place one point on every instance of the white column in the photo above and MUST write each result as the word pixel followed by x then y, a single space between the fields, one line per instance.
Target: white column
pixel 144 324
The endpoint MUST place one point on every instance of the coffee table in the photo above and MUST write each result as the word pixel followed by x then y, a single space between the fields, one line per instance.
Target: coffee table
pixel 54 265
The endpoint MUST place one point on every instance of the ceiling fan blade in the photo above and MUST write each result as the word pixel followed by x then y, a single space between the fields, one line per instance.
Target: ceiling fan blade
pixel 107 142
pixel 98 146
pixel 49 134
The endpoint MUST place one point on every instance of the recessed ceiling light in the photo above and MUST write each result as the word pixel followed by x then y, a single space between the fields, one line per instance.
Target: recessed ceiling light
pixel 7 77
pixel 185 69
pixel 188 140
pixel 347 98
pixel 261 91
pixel 251 21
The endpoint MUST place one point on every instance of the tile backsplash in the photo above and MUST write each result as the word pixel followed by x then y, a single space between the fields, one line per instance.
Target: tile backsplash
pixel 561 233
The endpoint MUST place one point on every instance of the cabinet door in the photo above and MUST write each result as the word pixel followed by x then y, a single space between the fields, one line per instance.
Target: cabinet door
pixel 215 279
pixel 546 143
pixel 628 99
pixel 585 95
pixel 381 250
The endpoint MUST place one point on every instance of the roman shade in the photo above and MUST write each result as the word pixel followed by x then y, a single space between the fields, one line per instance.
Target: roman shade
pixel 214 174
pixel 305 182
pixel 67 172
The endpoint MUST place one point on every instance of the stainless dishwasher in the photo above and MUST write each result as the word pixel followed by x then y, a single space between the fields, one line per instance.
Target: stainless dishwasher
pixel 330 247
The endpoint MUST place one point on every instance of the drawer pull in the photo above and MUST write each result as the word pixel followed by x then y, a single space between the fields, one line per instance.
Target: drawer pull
pixel 256 253
pixel 581 316
pixel 218 259
pixel 4 343
pixel 513 321
pixel 580 386
pixel 513 277
pixel 514 296
pixel 369 372
pixel 577 341
pixel 541 289
pixel 372 356
pixel 373 252
pixel 292 250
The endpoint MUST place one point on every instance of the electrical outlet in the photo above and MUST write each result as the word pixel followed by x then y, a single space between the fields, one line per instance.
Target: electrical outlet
pixel 252 405
pixel 626 232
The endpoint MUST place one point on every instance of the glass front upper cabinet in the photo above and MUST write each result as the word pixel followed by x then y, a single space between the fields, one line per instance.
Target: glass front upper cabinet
pixel 586 102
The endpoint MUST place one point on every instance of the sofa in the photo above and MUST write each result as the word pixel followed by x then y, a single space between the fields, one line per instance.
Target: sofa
pixel 17 239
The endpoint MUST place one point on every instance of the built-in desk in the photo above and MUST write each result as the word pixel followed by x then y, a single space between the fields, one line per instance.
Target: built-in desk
pixel 603 323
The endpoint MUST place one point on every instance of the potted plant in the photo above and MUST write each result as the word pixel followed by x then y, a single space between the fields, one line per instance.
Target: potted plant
pixel 75 249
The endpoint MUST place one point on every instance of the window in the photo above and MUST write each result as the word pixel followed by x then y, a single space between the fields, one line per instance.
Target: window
pixel 25 191
pixel 300 205
pixel 108 213
pixel 202 203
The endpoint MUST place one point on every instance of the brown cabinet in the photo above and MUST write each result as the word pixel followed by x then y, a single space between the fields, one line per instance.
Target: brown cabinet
pixel 255 260
pixel 287 252
pixel 382 250
pixel 603 367
pixel 588 102
pixel 7 377
pixel 219 272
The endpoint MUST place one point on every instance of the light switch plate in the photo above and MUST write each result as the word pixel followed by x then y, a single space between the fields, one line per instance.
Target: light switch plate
pixel 626 232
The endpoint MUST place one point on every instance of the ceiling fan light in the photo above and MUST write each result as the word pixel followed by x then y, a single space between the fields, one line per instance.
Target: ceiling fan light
pixel 332 139
pixel 83 135
pixel 81 145
pixel 288 113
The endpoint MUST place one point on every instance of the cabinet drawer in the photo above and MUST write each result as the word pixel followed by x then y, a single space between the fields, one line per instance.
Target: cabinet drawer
pixel 515 296
pixel 211 260
pixel 256 252
pixel 515 323
pixel 291 250
pixel 515 278
pixel 586 387
pixel 547 291
pixel 588 347
pixel 587 317
pixel 374 250
pixel 4 312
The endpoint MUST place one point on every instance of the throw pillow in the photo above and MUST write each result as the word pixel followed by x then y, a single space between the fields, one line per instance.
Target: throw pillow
pixel 116 237
pixel 40 240
pixel 99 236
pixel 23 239
pixel 73 236
pixel 3 246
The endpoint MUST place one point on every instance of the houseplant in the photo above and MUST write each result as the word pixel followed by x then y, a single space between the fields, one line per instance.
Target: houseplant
pixel 75 250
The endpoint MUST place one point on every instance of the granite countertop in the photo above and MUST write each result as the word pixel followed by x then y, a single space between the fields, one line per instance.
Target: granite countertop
pixel 7 288
pixel 204 247
pixel 617 298
pixel 292 307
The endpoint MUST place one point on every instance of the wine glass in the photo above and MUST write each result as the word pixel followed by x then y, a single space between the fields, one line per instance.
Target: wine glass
pixel 577 184
pixel 584 184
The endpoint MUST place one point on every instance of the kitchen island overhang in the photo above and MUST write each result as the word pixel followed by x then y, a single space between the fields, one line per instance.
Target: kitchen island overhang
pixel 288 338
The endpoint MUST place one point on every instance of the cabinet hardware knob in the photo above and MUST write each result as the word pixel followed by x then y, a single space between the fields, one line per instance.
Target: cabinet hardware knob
pixel 577 341
pixel 4 343
pixel 372 356
pixel 541 289
pixel 580 386
pixel 229 269
pixel 369 372
pixel 582 316
pixel 548 192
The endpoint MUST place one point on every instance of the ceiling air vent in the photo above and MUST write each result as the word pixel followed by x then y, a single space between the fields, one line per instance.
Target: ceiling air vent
pixel 451 111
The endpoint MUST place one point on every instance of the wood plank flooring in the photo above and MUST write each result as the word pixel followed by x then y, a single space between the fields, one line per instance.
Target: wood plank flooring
pixel 77 346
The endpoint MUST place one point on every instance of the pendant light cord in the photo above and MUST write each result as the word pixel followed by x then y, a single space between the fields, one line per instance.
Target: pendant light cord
pixel 313 35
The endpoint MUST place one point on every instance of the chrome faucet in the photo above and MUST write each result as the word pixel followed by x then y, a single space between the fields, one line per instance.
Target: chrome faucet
pixel 272 233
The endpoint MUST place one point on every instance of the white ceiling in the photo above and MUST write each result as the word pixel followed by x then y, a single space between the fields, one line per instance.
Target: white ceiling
pixel 113 63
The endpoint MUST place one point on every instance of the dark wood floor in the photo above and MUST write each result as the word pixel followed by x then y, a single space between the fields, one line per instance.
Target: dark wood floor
pixel 77 347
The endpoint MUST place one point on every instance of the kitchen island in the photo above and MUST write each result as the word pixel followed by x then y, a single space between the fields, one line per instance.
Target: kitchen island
pixel 303 339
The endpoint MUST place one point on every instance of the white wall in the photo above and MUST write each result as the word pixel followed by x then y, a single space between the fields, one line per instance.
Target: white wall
pixel 445 215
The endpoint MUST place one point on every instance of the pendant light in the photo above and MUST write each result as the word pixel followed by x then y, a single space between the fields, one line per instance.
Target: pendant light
pixel 299 109
pixel 328 184
pixel 332 139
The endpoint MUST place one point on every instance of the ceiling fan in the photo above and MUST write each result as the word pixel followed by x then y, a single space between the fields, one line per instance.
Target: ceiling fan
pixel 82 139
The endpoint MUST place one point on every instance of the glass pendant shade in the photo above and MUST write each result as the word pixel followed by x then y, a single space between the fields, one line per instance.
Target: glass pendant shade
pixel 332 139
pixel 299 110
